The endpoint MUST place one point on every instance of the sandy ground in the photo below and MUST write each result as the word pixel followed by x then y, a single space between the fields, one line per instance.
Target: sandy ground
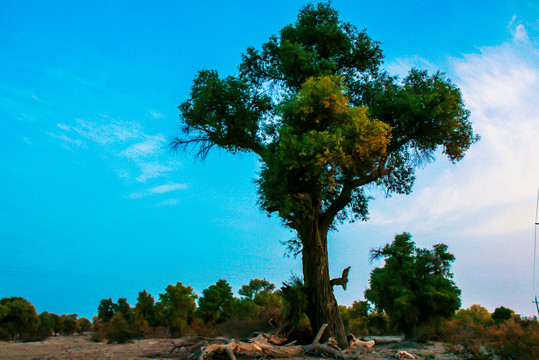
pixel 79 347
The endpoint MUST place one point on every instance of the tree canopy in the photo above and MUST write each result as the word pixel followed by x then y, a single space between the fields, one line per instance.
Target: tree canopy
pixel 326 120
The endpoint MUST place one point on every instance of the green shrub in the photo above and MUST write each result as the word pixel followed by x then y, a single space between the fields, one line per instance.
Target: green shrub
pixel 18 319
pixel 119 330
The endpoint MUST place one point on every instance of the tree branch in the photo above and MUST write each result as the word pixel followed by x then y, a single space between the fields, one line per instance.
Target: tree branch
pixel 345 196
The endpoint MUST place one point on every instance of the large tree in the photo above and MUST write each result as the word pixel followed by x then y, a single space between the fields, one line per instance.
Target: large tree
pixel 325 121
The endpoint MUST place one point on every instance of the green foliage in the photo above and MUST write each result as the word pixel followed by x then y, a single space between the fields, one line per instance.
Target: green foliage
pixel 68 324
pixel 83 325
pixel 414 287
pixel 360 320
pixel 119 330
pixel 502 314
pixel 49 324
pixel 334 122
pixel 18 318
pixel 254 287
pixel 177 306
pixel 106 310
pixel 217 302
pixel 295 298
pixel 145 310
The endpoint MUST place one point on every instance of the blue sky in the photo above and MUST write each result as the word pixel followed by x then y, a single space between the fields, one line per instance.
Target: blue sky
pixel 93 204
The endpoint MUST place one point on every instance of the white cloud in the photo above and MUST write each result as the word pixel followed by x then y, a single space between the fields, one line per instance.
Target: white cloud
pixel 491 190
pixel 156 190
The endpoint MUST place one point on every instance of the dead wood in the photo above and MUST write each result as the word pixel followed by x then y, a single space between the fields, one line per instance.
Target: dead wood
pixel 343 280
pixel 267 345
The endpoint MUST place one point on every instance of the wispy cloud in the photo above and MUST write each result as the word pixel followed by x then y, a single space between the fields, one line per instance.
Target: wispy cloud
pixel 151 170
pixel 67 142
pixel 64 127
pixel 108 131
pixel 156 114
pixel 156 190
pixel 169 202
pixel 149 146
pixel 137 155
pixel 493 188
pixel 401 67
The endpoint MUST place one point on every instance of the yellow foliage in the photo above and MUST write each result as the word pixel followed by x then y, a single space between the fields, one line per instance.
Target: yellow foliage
pixel 338 139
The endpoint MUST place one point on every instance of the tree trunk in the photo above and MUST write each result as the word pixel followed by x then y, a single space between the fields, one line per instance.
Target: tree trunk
pixel 322 307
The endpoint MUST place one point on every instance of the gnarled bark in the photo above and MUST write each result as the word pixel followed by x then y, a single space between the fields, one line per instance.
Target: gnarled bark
pixel 322 307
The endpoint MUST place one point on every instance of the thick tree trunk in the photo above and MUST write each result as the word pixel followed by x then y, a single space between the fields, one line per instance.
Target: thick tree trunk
pixel 322 307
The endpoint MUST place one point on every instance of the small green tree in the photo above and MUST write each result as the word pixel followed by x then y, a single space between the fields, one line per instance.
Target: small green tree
pixel 83 324
pixel 415 286
pixel 48 323
pixel 106 310
pixel 119 330
pixel 177 306
pixel 125 310
pixel 69 324
pixel 502 314
pixel 145 310
pixel 475 314
pixel 217 302
pixel 254 287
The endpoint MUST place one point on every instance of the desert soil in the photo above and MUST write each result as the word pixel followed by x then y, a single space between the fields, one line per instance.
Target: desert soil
pixel 79 347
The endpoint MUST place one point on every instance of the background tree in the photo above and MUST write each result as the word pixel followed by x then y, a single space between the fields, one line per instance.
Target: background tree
pixel 502 314
pixel 48 323
pixel 254 287
pixel 476 314
pixel 106 310
pixel 414 286
pixel 177 305
pixel 217 302
pixel 69 324
pixel 18 317
pixel 83 325
pixel 145 310
pixel 124 309
pixel 326 121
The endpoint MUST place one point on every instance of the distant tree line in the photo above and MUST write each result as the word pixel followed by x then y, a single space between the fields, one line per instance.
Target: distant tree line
pixel 19 321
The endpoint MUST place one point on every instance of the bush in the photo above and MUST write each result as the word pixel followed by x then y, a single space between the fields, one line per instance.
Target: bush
pixel 513 339
pixel 18 319
pixel 119 330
